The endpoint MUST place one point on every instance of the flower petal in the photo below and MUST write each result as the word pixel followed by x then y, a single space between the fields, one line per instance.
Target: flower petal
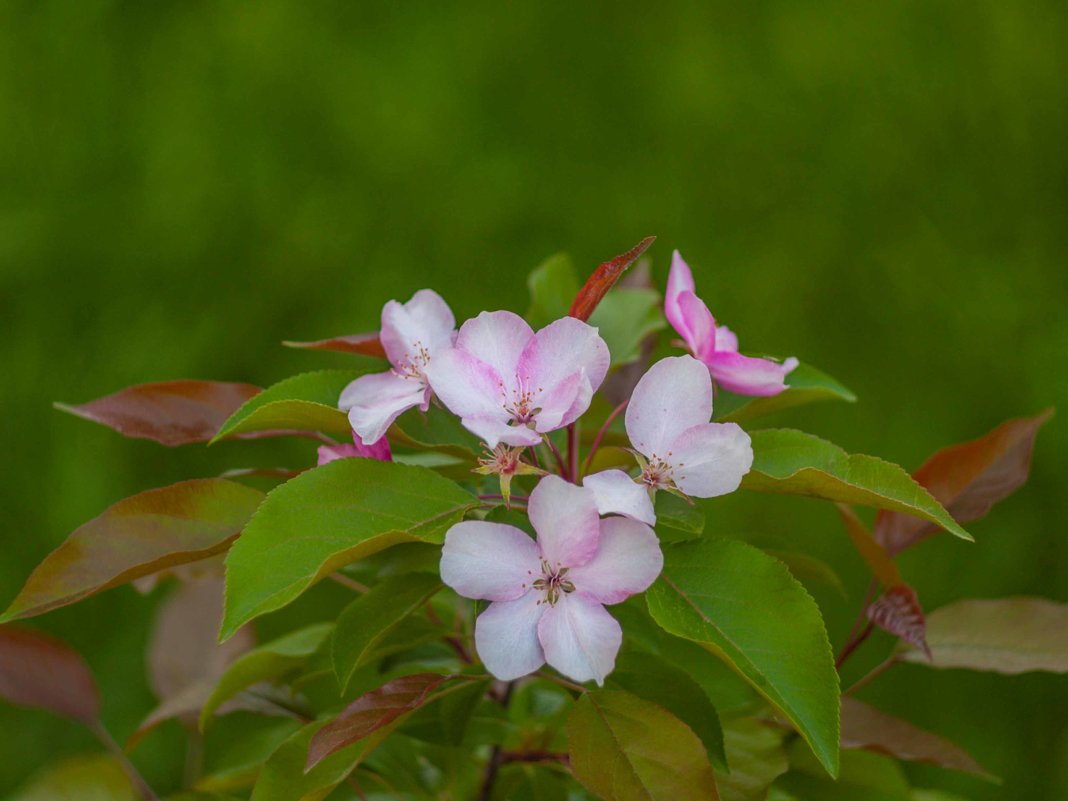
pixel 375 401
pixel 710 459
pixel 627 561
pixel 680 280
pixel 579 638
pixel 560 350
pixel 700 332
pixel 616 493
pixel 506 636
pixel 567 401
pixel 377 450
pixel 425 321
pixel 494 430
pixel 747 375
pixel 467 385
pixel 496 338
pixel 565 517
pixel 726 340
pixel 489 560
pixel 675 394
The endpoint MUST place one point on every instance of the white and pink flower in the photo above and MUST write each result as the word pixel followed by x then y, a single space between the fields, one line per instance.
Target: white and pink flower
pixel 717 346
pixel 508 384
pixel 667 422
pixel 377 450
pixel 548 595
pixel 412 334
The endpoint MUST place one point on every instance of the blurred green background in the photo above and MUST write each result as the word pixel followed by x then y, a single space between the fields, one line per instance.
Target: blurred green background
pixel 880 189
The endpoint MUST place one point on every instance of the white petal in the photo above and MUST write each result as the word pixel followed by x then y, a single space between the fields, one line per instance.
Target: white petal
pixel 493 430
pixel 489 560
pixel 580 638
pixel 565 403
pixel 467 386
pixel 425 321
pixel 506 636
pixel 558 351
pixel 565 517
pixel 710 459
pixel 375 401
pixel 616 493
pixel 627 561
pixel 675 394
pixel 496 338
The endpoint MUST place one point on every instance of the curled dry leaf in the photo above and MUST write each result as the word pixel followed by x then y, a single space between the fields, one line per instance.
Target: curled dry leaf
pixel 360 344
pixel 371 712
pixel 40 671
pixel 866 727
pixel 603 278
pixel 898 611
pixel 169 412
pixel 967 479
pixel 138 536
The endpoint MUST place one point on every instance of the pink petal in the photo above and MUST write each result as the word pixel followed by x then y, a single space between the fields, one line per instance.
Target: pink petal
pixel 565 403
pixel 560 350
pixel 627 561
pixel 747 375
pixel 616 493
pixel 680 280
pixel 424 321
pixel 506 636
pixel 726 340
pixel 675 394
pixel 375 401
pixel 497 339
pixel 565 517
pixel 710 459
pixel 494 430
pixel 580 639
pixel 489 560
pixel 467 385
pixel 377 450
pixel 700 334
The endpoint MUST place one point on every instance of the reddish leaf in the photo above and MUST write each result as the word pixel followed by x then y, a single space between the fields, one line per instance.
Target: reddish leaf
pixel 866 727
pixel 362 344
pixel 170 412
pixel 371 712
pixel 138 536
pixel 876 557
pixel 967 479
pixel 603 278
pixel 40 671
pixel 898 611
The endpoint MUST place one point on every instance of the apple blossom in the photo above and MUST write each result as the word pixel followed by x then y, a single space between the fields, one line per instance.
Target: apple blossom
pixel 377 450
pixel 667 422
pixel 412 335
pixel 508 384
pixel 717 345
pixel 616 493
pixel 548 595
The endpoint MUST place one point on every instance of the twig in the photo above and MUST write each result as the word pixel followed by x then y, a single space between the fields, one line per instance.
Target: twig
pixel 352 584
pixel 533 756
pixel 853 645
pixel 600 434
pixel 873 585
pixel 573 452
pixel 873 674
pixel 496 755
pixel 560 466
pixel 561 681
pixel 109 743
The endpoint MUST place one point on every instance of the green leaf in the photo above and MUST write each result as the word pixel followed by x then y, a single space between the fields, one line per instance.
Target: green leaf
pixel 98 777
pixel 756 755
pixel 745 607
pixel 328 517
pixel 365 622
pixel 864 777
pixel 623 748
pixel 808 569
pixel 804 384
pixel 444 718
pixel 143 534
pixel 686 520
pixel 434 430
pixel 305 402
pixel 269 661
pixel 553 284
pixel 283 778
pixel 656 680
pixel 239 750
pixel 795 463
pixel 624 318
pixel 1006 635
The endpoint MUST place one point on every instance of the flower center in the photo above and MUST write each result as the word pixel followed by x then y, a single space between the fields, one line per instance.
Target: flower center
pixel 657 472
pixel 414 365
pixel 520 405
pixel 553 582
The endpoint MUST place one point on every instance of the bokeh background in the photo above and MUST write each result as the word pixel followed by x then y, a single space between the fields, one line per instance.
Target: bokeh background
pixel 880 189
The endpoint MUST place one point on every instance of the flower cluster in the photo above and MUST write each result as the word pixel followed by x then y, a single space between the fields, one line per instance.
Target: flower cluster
pixel 512 386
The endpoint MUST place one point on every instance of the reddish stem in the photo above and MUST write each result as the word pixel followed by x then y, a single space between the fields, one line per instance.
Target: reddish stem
pixel 853 645
pixel 560 466
pixel 600 434
pixel 573 452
